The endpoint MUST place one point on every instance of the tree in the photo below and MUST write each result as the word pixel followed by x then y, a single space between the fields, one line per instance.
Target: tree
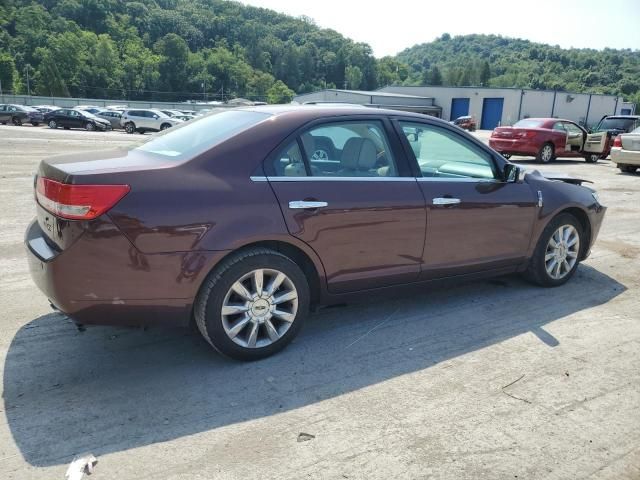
pixel 485 74
pixel 280 93
pixel 8 74
pixel 434 77
pixel 354 76
pixel 174 54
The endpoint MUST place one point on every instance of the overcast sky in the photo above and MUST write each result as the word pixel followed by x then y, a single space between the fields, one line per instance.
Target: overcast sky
pixel 391 26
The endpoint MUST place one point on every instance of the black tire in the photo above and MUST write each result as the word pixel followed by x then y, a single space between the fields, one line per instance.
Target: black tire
pixel 16 121
pixel 592 157
pixel 210 298
pixel 67 128
pixel 628 168
pixel 35 124
pixel 543 155
pixel 130 127
pixel 52 124
pixel 536 270
pixel 506 155
pixel 164 126
pixel 89 127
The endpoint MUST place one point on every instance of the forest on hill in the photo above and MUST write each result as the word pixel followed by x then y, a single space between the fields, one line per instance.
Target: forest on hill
pixel 199 49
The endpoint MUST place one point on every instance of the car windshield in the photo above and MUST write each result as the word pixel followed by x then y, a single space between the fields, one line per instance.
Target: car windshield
pixel 88 114
pixel 528 123
pixel 615 124
pixel 195 137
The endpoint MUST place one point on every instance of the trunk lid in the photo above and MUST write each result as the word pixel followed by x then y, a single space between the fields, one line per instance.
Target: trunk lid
pixel 631 141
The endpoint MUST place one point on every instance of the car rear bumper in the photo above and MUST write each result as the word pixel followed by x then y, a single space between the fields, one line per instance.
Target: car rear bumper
pixel 513 146
pixel 625 157
pixel 101 278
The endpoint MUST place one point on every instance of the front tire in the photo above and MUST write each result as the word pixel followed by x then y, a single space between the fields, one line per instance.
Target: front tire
pixel 164 126
pixel 16 121
pixel 592 157
pixel 558 252
pixel 89 127
pixel 546 153
pixel 130 127
pixel 52 124
pixel 253 304
pixel 506 155
pixel 35 124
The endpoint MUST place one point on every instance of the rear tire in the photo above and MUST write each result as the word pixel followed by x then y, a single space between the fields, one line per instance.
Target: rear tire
pixel 628 168
pixel 592 157
pixel 35 124
pixel 130 127
pixel 52 124
pixel 542 265
pixel 164 126
pixel 16 121
pixel 258 323
pixel 546 153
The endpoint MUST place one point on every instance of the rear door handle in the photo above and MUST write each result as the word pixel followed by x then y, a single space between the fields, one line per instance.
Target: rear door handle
pixel 446 201
pixel 303 204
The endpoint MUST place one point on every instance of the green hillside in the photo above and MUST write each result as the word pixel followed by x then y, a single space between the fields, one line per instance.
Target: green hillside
pixel 114 48
pixel 181 49
pixel 505 62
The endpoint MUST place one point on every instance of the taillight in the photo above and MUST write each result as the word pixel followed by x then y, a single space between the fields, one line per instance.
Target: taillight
pixel 78 202
pixel 526 134
pixel 617 142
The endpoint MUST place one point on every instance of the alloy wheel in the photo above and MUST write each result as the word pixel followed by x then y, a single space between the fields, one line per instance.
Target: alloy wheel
pixel 53 124
pixel 259 308
pixel 547 153
pixel 562 251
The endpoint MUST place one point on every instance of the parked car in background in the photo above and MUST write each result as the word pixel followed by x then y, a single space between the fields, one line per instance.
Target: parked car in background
pixel 625 151
pixel 45 108
pixel 19 114
pixel 614 125
pixel 466 122
pixel 548 138
pixel 146 120
pixel 92 110
pixel 72 118
pixel 172 113
pixel 112 116
pixel 232 220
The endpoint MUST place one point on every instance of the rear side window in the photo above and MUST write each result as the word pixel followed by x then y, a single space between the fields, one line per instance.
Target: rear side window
pixel 289 162
pixel 194 137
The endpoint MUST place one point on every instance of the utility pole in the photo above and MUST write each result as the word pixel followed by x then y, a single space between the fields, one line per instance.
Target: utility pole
pixel 26 68
pixel 204 91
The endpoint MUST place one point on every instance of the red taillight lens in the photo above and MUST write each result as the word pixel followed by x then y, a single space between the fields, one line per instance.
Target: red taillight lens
pixel 617 142
pixel 78 202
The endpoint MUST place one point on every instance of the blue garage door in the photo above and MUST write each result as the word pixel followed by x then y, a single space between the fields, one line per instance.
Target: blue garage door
pixel 459 108
pixel 491 113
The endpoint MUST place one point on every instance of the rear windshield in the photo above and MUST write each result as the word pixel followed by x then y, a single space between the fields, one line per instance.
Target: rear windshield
pixel 199 135
pixel 528 123
pixel 624 124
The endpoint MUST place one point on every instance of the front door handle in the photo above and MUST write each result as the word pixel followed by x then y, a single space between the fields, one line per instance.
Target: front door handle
pixel 303 204
pixel 446 201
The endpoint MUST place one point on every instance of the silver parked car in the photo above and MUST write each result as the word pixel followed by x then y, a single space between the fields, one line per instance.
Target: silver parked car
pixel 113 116
pixel 146 120
pixel 626 151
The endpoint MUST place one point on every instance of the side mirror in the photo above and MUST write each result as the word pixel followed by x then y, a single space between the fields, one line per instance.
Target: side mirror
pixel 511 173
pixel 156 117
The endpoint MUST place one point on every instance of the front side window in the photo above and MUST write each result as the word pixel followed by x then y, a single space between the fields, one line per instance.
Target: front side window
pixel 559 126
pixel 572 129
pixel 441 153
pixel 349 149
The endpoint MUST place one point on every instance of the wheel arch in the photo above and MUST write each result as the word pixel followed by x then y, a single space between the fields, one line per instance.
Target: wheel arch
pixel 585 223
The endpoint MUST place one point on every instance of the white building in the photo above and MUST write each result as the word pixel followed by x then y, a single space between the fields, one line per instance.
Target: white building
pixel 490 106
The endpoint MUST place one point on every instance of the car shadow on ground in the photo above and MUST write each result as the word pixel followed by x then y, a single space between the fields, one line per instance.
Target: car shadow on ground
pixel 112 389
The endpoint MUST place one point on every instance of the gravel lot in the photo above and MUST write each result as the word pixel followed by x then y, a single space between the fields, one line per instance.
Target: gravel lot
pixel 415 387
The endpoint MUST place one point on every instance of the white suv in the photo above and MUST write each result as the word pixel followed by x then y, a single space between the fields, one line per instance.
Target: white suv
pixel 151 120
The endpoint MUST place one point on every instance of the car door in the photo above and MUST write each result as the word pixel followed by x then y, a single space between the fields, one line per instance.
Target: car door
pixel 576 138
pixel 345 190
pixel 476 221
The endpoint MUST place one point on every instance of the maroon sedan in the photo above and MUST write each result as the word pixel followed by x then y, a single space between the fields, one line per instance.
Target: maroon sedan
pixel 242 220
pixel 547 139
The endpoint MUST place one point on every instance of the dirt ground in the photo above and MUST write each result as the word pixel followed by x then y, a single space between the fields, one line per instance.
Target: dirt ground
pixel 495 379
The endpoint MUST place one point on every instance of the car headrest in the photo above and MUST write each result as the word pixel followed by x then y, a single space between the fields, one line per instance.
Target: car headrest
pixel 358 154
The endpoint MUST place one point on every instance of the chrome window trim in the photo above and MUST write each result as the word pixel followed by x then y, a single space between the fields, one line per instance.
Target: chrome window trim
pixel 461 179
pixel 332 179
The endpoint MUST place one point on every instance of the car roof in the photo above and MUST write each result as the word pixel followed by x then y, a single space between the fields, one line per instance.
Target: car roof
pixel 311 112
